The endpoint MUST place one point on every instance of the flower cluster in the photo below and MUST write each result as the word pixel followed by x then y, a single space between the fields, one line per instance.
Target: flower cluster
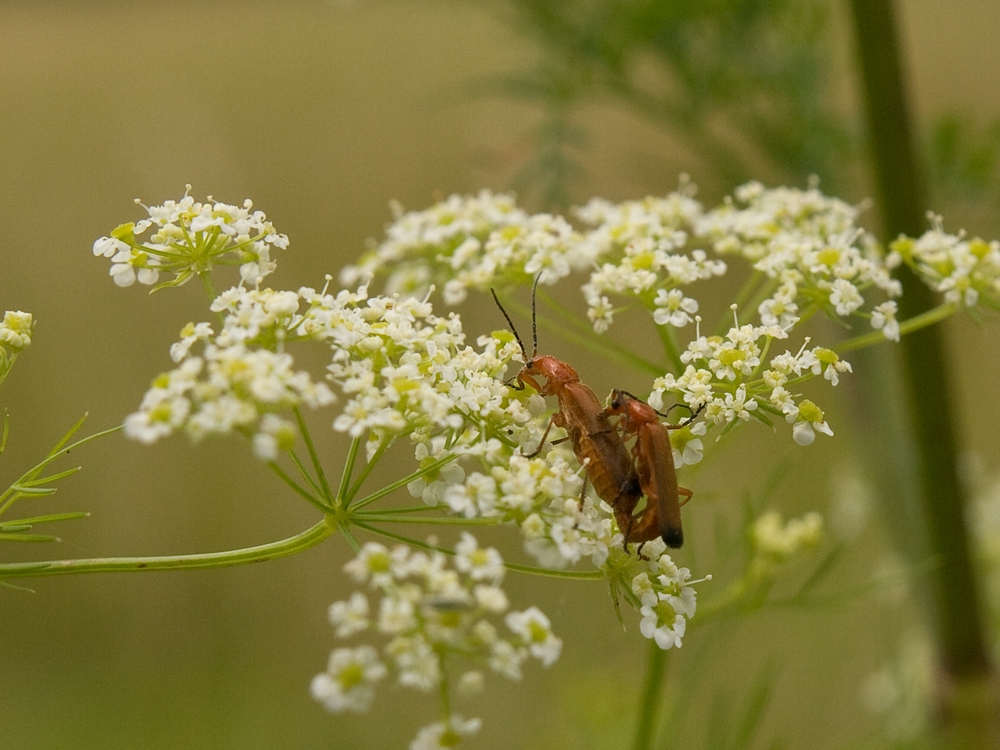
pixel 778 541
pixel 188 238
pixel 241 380
pixel 467 243
pixel 15 336
pixel 667 599
pixel 434 616
pixel 730 379
pixel 808 245
pixel 642 244
pixel 966 271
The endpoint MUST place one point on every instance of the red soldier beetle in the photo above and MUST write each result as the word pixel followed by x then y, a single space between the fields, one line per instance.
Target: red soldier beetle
pixel 654 458
pixel 597 445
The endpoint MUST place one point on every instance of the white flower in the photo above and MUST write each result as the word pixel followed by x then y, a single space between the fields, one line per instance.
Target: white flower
pixel 351 616
pixel 661 622
pixel 442 736
pixel 536 631
pixel 372 562
pixel 470 683
pixel 505 659
pixel 779 540
pixel 481 564
pixel 348 683
pixel 15 330
pixel 674 308
pixel 884 319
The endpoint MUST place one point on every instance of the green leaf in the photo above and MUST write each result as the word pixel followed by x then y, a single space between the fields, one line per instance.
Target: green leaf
pixel 51 518
pixel 27 538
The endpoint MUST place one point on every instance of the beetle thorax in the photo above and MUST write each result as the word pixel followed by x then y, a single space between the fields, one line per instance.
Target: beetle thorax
pixel 555 372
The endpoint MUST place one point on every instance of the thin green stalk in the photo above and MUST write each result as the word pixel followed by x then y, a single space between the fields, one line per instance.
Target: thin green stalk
pixel 670 348
pixel 314 457
pixel 206 284
pixel 13 492
pixel 294 458
pixel 270 551
pixel 299 490
pixel 924 319
pixel 652 688
pixel 389 517
pixel 382 448
pixel 389 489
pixel 345 477
pixel 351 540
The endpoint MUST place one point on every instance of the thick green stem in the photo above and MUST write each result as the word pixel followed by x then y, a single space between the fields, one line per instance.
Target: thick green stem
pixel 271 551
pixel 645 730
pixel 960 629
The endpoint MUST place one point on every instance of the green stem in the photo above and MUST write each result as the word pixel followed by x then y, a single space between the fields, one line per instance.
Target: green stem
pixel 669 342
pixel 314 457
pixel 389 489
pixel 960 632
pixel 209 287
pixel 271 551
pixel 653 686
pixel 299 490
pixel 382 448
pixel 924 319
pixel 389 517
pixel 343 490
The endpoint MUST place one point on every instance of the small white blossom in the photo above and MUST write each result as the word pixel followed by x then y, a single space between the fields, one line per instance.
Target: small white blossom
pixel 536 631
pixel 351 616
pixel 442 736
pixel 348 683
pixel 15 330
pixel 779 540
pixel 884 319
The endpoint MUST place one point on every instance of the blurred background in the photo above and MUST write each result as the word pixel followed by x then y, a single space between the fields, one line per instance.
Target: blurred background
pixel 323 112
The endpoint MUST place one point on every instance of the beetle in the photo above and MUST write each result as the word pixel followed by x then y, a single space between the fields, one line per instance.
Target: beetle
pixel 597 445
pixel 654 458
pixel 657 475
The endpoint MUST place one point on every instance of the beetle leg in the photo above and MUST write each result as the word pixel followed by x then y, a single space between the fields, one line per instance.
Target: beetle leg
pixel 686 493
pixel 542 441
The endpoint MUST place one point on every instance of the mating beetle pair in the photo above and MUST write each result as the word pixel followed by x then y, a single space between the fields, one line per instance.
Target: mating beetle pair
pixel 618 478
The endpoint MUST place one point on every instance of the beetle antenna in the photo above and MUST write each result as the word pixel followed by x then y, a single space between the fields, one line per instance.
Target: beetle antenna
pixel 510 322
pixel 534 318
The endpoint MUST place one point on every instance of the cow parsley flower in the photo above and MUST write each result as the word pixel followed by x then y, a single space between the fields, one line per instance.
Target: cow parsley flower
pixel 15 336
pixel 777 540
pixel 432 615
pixel 348 684
pixel 963 270
pixel 471 242
pixel 808 243
pixel 188 238
pixel 668 600
pixel 445 735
